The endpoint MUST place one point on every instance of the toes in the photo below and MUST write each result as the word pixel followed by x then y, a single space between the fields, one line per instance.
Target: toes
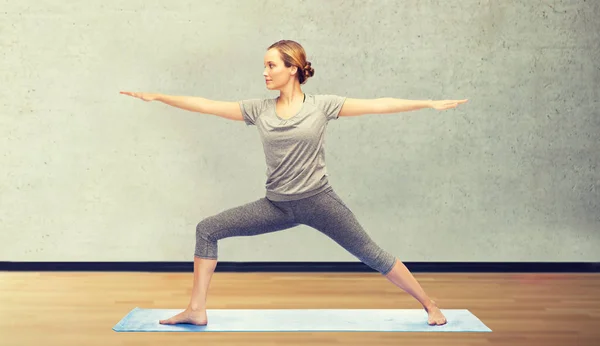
pixel 436 322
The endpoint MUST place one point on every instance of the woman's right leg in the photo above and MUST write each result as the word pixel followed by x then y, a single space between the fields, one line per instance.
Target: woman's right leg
pixel 258 217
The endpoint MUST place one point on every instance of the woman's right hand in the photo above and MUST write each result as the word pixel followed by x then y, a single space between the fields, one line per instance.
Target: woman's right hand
pixel 143 96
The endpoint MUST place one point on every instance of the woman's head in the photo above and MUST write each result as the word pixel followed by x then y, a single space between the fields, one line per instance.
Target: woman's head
pixel 285 61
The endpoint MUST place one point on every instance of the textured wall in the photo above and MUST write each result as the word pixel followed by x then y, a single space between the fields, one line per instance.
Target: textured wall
pixel 90 175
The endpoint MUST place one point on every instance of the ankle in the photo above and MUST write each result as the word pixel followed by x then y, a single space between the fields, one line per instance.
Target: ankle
pixel 430 305
pixel 196 307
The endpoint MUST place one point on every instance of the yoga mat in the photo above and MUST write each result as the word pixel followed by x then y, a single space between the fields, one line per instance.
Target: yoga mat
pixel 309 320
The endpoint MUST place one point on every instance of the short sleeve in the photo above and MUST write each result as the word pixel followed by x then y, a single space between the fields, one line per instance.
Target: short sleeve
pixel 331 105
pixel 251 110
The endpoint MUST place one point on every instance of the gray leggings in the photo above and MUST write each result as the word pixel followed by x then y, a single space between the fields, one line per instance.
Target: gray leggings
pixel 325 212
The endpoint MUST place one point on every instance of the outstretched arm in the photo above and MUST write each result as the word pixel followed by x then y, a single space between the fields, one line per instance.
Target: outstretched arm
pixel 224 109
pixel 354 107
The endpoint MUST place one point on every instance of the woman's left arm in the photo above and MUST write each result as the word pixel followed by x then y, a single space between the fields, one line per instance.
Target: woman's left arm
pixel 354 107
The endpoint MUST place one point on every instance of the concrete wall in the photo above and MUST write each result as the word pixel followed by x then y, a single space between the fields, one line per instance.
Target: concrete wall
pixel 90 175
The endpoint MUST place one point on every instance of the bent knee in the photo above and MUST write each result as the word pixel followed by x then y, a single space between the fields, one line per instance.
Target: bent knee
pixel 205 228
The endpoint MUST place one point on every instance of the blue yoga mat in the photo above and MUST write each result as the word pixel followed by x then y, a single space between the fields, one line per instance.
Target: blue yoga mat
pixel 303 320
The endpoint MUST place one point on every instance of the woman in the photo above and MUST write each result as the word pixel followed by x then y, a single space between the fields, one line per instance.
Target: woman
pixel 292 129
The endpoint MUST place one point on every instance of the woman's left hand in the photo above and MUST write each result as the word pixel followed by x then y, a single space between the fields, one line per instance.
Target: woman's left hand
pixel 446 104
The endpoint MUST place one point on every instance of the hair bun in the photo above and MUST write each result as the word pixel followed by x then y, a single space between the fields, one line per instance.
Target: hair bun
pixel 308 70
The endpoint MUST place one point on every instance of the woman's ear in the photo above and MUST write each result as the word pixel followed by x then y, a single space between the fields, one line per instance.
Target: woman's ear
pixel 294 70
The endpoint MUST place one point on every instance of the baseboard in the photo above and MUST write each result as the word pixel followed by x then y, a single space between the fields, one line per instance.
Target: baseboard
pixel 316 267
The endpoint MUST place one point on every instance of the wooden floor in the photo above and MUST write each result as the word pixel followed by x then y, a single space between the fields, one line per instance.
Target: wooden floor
pixel 81 308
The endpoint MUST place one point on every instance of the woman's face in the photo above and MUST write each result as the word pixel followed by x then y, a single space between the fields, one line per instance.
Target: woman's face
pixel 275 73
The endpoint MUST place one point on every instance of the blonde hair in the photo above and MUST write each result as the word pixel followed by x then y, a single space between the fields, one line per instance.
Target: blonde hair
pixel 293 54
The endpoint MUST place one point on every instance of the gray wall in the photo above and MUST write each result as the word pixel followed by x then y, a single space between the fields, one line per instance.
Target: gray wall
pixel 91 175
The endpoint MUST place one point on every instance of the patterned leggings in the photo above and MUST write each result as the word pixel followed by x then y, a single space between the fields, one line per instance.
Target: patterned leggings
pixel 325 212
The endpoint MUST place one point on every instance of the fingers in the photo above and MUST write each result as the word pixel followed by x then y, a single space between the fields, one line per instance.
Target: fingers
pixel 134 94
pixel 453 103
pixel 447 104
pixel 130 93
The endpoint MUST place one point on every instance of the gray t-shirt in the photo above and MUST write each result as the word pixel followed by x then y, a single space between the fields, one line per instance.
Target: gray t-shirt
pixel 294 147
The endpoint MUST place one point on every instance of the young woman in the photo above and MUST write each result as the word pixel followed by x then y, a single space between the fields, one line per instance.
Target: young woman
pixel 292 129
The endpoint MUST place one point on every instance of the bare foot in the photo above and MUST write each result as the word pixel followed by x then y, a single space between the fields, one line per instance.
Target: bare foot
pixel 435 316
pixel 197 317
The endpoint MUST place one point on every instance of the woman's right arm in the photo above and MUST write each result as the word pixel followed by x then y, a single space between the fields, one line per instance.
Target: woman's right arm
pixel 225 109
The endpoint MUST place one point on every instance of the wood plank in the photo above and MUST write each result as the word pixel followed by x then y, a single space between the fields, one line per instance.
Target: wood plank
pixel 80 308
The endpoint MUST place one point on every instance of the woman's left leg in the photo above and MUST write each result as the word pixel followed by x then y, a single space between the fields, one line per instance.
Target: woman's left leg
pixel 327 213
